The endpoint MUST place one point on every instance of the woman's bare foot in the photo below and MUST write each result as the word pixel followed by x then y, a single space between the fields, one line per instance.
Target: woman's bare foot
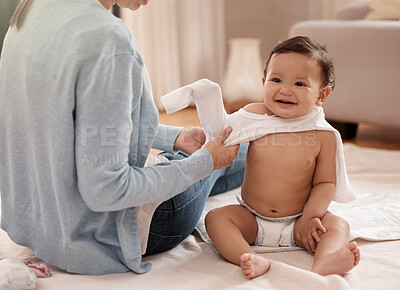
pixel 253 265
pixel 339 262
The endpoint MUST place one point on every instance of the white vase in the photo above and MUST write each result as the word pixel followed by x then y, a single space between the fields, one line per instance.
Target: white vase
pixel 242 83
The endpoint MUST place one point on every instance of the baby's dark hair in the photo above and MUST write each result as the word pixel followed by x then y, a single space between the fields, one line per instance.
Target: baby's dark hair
pixel 307 46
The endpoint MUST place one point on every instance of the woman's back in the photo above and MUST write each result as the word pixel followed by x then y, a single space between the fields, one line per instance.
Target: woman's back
pixel 43 66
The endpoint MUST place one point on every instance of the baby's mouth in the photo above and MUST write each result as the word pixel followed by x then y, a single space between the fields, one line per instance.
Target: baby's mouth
pixel 286 102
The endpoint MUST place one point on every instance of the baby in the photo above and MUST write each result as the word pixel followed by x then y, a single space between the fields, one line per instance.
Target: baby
pixel 294 166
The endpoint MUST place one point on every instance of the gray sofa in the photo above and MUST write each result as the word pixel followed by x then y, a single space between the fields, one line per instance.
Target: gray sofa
pixel 366 56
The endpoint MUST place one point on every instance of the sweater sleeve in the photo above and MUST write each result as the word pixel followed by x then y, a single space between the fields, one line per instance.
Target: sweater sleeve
pixel 165 137
pixel 108 97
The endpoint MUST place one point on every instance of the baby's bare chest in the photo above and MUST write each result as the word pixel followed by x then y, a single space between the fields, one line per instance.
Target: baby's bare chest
pixel 299 149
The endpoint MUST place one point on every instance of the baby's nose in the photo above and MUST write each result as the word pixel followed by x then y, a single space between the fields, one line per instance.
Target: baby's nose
pixel 284 90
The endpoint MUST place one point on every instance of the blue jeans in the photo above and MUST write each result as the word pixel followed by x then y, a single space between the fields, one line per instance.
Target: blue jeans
pixel 175 219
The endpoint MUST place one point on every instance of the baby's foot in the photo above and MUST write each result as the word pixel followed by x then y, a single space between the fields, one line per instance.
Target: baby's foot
pixel 253 265
pixel 339 262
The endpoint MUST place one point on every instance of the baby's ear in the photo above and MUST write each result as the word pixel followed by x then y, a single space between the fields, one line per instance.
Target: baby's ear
pixel 323 95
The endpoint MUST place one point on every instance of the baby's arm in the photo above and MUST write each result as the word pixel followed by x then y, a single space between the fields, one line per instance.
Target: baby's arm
pixel 321 195
pixel 210 108
pixel 208 99
pixel 324 180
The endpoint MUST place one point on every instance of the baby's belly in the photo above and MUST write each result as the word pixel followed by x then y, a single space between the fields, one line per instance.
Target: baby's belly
pixel 274 203
pixel 276 191
pixel 278 177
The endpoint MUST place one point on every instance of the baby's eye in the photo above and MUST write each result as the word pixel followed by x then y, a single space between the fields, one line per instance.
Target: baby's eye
pixel 276 80
pixel 300 84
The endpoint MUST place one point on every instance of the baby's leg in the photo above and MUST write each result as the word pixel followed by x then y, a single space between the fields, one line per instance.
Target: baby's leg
pixel 232 229
pixel 334 254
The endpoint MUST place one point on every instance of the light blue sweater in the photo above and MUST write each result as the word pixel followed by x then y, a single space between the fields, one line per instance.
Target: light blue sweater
pixel 77 121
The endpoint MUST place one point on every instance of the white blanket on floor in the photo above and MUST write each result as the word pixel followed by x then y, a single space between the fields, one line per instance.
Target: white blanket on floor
pixel 195 265
pixel 372 217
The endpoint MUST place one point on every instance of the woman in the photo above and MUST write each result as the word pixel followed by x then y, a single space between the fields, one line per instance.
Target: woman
pixel 77 121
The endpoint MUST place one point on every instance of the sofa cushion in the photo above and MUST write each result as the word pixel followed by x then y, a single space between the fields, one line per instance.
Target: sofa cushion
pixel 384 10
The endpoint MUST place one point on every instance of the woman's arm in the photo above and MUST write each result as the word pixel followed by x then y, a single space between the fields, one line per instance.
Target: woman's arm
pixel 171 139
pixel 165 137
pixel 108 135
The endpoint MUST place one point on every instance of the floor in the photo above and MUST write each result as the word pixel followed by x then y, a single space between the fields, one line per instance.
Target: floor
pixel 367 135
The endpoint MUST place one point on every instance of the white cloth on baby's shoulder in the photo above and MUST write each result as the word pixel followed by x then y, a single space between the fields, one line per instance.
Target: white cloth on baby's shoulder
pixel 249 126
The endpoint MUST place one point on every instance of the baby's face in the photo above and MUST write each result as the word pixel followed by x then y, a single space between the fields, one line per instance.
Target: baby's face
pixel 293 85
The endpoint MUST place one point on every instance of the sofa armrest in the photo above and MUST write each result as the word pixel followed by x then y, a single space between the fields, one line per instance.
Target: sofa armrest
pixel 367 65
pixel 353 11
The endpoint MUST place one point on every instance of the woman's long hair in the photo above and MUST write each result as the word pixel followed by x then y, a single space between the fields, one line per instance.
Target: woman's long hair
pixel 20 13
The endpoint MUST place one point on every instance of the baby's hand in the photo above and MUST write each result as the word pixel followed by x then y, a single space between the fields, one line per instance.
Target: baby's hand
pixel 306 231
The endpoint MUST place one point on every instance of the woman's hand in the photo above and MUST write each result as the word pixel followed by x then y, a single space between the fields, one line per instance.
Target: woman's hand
pixel 222 156
pixel 308 230
pixel 190 140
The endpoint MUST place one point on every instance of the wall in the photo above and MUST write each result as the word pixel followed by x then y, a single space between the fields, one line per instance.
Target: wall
pixel 268 20
pixel 6 10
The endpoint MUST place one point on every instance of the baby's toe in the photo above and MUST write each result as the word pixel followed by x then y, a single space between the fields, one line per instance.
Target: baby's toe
pixel 245 257
pixel 352 246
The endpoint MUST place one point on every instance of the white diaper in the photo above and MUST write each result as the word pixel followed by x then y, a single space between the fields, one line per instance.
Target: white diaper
pixel 273 232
